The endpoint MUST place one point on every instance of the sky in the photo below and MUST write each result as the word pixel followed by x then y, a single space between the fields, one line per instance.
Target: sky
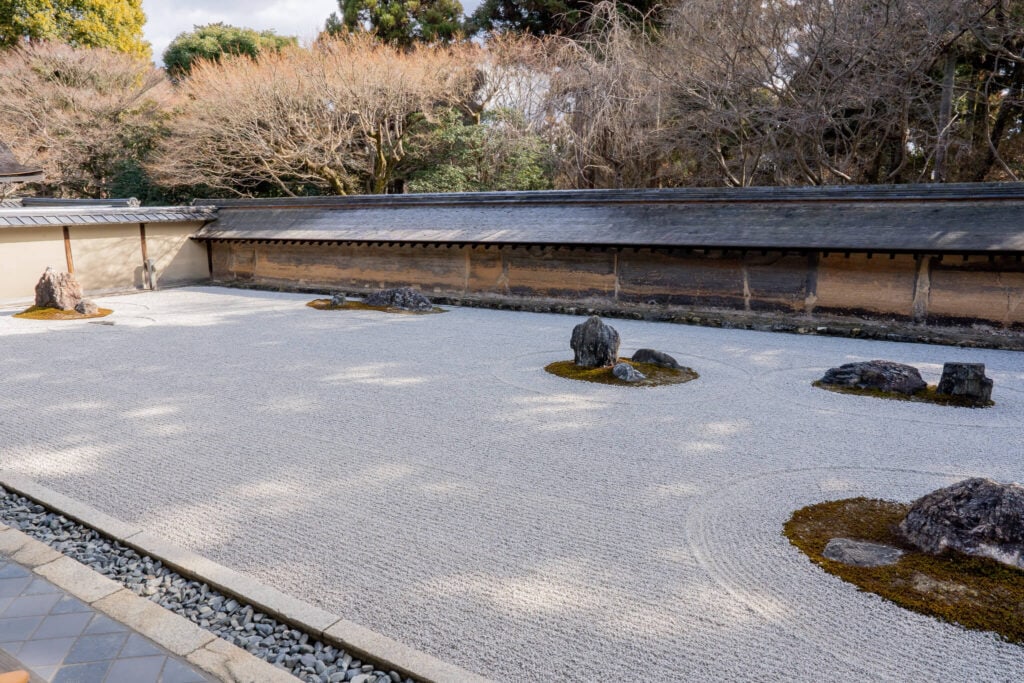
pixel 165 19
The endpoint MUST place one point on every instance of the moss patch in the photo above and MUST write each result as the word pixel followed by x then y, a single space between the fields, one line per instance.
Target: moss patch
pixel 41 313
pixel 326 305
pixel 975 592
pixel 656 375
pixel 929 394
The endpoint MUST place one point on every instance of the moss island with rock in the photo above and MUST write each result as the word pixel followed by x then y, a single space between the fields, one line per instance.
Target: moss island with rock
pixel 935 565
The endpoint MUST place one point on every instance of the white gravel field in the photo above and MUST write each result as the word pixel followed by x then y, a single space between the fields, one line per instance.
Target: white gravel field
pixel 425 478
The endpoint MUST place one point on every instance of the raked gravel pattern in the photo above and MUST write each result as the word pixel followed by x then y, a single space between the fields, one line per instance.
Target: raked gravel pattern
pixel 306 658
pixel 424 477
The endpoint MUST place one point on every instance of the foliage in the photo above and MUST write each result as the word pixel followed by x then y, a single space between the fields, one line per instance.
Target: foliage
pixel 499 153
pixel 114 24
pixel 86 116
pixel 212 41
pixel 546 17
pixel 398 22
pixel 339 119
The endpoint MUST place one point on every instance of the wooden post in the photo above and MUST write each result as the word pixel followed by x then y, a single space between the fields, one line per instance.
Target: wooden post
pixel 146 277
pixel 67 250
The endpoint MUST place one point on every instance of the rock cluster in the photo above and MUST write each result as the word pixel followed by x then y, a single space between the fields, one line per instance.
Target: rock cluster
pixel 966 381
pixel 975 516
pixel 882 375
pixel 594 344
pixel 62 291
pixel 310 660
pixel 402 298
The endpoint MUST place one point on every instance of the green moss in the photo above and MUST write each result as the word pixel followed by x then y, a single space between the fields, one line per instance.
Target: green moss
pixel 326 305
pixel 41 313
pixel 656 375
pixel 929 394
pixel 977 593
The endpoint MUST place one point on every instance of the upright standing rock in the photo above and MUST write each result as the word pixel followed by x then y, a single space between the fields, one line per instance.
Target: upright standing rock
pixel 58 290
pixel 975 516
pixel 966 381
pixel 595 344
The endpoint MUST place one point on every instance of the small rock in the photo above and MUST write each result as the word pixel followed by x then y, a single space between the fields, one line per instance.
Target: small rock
pixel 87 307
pixel 595 344
pixel 861 553
pixel 338 299
pixel 627 373
pixel 655 358
pixel 402 298
pixel 882 375
pixel 975 516
pixel 966 381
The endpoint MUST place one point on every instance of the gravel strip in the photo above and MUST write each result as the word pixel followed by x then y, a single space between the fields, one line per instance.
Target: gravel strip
pixel 306 658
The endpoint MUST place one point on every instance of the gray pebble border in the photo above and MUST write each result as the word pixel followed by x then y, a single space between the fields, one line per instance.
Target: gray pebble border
pixel 308 659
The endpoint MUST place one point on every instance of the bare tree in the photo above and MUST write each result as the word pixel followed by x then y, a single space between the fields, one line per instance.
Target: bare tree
pixel 84 115
pixel 337 118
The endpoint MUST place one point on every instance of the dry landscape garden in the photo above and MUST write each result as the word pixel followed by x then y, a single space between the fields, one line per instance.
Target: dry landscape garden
pixel 532 341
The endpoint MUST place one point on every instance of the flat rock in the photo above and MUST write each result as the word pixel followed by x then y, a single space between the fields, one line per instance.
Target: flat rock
pixel 595 344
pixel 627 373
pixel 861 553
pixel 655 358
pixel 403 298
pixel 966 381
pixel 58 290
pixel 883 375
pixel 975 516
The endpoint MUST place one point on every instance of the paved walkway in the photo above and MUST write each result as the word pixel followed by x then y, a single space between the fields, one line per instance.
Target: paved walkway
pixel 425 478
pixel 60 639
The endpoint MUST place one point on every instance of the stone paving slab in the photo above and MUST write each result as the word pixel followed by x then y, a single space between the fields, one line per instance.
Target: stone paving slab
pixel 62 639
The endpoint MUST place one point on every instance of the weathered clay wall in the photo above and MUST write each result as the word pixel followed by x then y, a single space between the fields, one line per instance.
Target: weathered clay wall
pixel 902 287
pixel 105 258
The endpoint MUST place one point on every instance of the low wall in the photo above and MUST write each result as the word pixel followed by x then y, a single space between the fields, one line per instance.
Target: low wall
pixel 105 258
pixel 934 289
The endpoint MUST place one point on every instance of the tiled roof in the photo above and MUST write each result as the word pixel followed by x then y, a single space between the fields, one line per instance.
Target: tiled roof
pixel 101 215
pixel 951 218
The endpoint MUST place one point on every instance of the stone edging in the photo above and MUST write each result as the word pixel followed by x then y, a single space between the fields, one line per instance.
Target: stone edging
pixel 176 633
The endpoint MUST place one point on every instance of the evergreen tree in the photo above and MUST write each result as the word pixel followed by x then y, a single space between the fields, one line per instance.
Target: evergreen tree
pixel 545 17
pixel 114 24
pixel 399 22
pixel 213 40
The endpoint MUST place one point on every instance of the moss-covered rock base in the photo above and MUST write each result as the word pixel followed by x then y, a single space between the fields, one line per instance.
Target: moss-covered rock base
pixel 929 394
pixel 656 375
pixel 975 592
pixel 41 313
pixel 326 305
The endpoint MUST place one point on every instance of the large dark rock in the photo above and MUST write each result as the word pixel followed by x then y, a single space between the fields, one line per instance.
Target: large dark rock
pixel 595 344
pixel 966 381
pixel 404 298
pixel 883 375
pixel 655 358
pixel 975 516
pixel 58 290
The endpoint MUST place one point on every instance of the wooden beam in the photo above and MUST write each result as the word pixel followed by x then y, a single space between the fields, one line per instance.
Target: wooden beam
pixel 67 250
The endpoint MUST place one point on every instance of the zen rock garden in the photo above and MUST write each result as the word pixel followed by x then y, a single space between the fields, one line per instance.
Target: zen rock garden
pixel 963 384
pixel 396 300
pixel 59 297
pixel 595 346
